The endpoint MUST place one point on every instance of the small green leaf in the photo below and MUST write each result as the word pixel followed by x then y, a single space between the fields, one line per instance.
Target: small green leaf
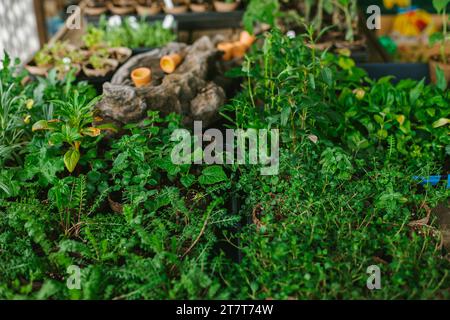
pixel 187 180
pixel 40 125
pixel 120 160
pixel 378 119
pixel 312 81
pixel 441 81
pixel 435 38
pixel 441 122
pixel 416 92
pixel 285 114
pixel 71 159
pixel 212 175
pixel 346 63
pixel 167 165
pixel 56 138
pixel 440 5
pixel 107 127
pixel 327 76
pixel 382 134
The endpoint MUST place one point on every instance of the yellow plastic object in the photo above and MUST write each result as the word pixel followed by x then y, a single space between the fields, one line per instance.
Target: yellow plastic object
pixel 414 23
pixel 389 4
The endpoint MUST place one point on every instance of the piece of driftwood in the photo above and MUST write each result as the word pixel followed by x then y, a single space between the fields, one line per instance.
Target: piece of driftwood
pixel 443 214
pixel 192 90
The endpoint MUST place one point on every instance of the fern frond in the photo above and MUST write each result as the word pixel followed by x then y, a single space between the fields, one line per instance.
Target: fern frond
pixel 391 148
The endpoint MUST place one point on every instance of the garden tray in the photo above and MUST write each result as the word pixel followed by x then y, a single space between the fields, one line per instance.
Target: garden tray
pixel 197 21
pixel 401 71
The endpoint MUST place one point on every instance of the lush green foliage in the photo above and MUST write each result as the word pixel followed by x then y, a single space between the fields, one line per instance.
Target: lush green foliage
pixel 338 14
pixel 130 33
pixel 156 239
pixel 313 230
pixel 312 233
pixel 140 226
pixel 12 115
pixel 338 103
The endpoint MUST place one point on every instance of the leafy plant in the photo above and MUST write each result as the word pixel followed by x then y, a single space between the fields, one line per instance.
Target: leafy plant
pixel 133 33
pixel 141 227
pixel 441 7
pixel 310 237
pixel 99 59
pixel 12 114
pixel 336 164
pixel 260 11
pixel 94 38
pixel 61 56
pixel 11 124
pixel 350 11
pixel 72 127
pixel 414 114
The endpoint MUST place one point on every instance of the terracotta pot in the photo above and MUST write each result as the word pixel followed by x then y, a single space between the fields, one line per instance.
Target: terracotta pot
pixel 227 49
pixel 170 63
pixel 434 55
pixel 124 3
pixel 177 9
pixel 38 70
pixel 111 65
pixel 120 10
pixel 152 10
pixel 247 39
pixel 196 7
pixel 120 54
pixel 222 6
pixel 141 77
pixel 95 11
pixel 444 67
pixel 239 50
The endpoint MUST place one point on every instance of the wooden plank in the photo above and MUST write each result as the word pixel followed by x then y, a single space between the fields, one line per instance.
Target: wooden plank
pixel 41 22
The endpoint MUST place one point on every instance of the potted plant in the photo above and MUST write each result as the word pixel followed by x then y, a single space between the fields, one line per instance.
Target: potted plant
pixel 56 54
pixel 148 7
pixel 95 7
pixel 137 34
pixel 439 57
pixel 64 66
pixel 318 16
pixel 121 54
pixel 227 5
pixel 199 5
pixel 99 64
pixel 180 6
pixel 122 7
pixel 94 38
pixel 43 61
pixel 71 60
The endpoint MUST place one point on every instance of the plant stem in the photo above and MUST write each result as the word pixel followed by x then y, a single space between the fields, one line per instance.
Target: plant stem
pixel 319 16
pixel 444 25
